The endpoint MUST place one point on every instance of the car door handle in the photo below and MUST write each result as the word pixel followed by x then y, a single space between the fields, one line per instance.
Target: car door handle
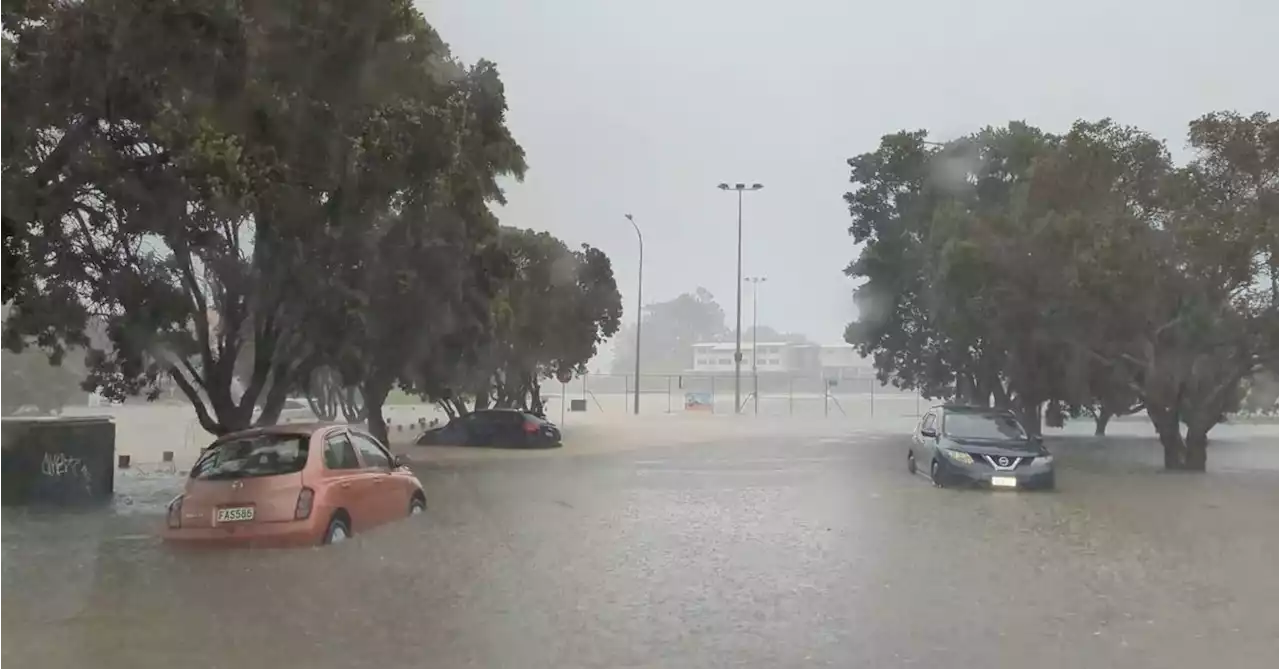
pixel 344 484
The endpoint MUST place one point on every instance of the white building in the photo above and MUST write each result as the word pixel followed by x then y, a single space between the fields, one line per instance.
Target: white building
pixel 717 358
pixel 832 361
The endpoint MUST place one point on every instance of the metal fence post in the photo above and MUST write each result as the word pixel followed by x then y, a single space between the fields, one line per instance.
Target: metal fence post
pixel 668 394
pixel 873 398
pixel 826 397
pixel 563 387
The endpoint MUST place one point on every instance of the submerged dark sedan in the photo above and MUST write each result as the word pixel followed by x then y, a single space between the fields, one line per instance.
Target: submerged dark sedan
pixel 497 428
pixel 978 446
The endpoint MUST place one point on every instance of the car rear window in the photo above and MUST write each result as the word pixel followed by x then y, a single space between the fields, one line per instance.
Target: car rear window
pixel 499 416
pixel 248 457
pixel 983 426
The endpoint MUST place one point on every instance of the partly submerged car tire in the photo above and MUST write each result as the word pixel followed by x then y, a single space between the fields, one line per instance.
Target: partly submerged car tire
pixel 911 462
pixel 933 475
pixel 417 505
pixel 339 530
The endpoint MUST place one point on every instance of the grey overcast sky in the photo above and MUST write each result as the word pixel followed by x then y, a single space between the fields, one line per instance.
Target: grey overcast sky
pixel 643 107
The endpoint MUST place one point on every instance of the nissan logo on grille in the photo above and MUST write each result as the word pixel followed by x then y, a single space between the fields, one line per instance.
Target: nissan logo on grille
pixel 1004 461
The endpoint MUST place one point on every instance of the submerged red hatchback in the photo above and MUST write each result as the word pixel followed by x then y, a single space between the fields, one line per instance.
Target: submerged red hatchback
pixel 287 485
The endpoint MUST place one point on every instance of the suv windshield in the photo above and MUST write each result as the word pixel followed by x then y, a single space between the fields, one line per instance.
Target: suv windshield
pixel 260 455
pixel 983 426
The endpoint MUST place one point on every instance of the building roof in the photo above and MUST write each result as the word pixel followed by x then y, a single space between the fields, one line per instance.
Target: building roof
pixel 729 346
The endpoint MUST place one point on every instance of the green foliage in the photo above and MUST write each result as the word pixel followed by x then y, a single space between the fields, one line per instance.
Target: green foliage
pixel 33 382
pixel 550 314
pixel 670 330
pixel 1084 271
pixel 222 186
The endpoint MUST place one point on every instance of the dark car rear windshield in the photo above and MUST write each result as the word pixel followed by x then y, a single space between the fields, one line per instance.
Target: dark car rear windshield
pixel 1000 427
pixel 260 455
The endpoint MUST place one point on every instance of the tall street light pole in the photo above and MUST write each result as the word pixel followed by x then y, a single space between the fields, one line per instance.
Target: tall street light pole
pixel 755 282
pixel 737 347
pixel 639 310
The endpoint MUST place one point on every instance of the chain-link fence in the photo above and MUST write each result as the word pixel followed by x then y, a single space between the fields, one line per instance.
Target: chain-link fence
pixel 773 395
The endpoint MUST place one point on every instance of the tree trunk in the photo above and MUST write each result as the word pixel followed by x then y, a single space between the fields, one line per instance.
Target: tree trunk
pixel 1168 426
pixel 966 390
pixel 353 408
pixel 535 392
pixel 1054 414
pixel 375 393
pixel 1029 416
pixel 321 394
pixel 277 393
pixel 1100 422
pixel 207 420
pixel 1002 399
pixel 1197 442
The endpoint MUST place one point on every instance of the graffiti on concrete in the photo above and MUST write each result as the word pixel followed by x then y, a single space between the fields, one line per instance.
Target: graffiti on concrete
pixel 61 465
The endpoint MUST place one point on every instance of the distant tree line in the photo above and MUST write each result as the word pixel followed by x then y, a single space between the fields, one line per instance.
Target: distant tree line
pixel 256 199
pixel 671 328
pixel 1082 273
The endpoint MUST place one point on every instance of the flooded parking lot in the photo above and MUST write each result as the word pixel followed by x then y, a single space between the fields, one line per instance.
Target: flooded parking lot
pixel 765 551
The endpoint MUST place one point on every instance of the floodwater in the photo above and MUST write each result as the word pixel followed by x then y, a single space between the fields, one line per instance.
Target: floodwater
pixel 757 548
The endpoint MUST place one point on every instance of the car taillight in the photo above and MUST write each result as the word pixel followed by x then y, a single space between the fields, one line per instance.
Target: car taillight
pixel 530 427
pixel 174 514
pixel 303 509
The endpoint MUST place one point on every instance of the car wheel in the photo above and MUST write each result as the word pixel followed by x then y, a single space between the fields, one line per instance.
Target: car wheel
pixel 337 532
pixel 933 475
pixel 911 462
pixel 417 505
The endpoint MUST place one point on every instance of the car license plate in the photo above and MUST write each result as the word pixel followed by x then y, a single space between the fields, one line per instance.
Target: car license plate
pixel 1004 482
pixel 235 514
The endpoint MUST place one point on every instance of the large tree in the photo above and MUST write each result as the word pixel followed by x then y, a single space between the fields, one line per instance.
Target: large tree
pixel 425 266
pixel 1189 282
pixel 669 331
pixel 549 317
pixel 201 177
pixel 947 305
pixel 1083 272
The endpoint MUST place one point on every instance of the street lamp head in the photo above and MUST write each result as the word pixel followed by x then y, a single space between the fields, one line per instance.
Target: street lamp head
pixel 723 186
pixel 757 186
pixel 629 218
pixel 739 186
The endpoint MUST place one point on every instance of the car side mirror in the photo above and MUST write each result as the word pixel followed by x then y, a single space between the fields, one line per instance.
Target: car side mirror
pixel 400 461
pixel 928 432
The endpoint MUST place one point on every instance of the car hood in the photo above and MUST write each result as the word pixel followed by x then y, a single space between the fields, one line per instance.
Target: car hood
pixel 992 447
